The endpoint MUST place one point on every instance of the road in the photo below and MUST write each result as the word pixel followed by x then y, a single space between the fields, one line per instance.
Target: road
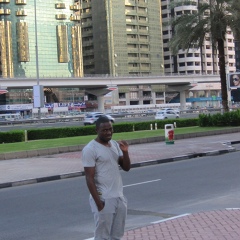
pixel 27 126
pixel 59 210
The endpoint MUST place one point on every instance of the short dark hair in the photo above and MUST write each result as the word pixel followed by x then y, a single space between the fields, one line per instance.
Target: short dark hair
pixel 102 119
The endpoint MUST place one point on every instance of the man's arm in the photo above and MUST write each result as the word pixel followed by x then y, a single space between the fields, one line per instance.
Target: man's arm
pixel 90 172
pixel 124 161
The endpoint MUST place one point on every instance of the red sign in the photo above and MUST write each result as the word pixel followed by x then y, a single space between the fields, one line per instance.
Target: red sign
pixel 112 88
pixel 3 91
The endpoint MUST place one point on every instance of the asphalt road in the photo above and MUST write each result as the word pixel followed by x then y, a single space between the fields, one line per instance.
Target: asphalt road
pixel 59 210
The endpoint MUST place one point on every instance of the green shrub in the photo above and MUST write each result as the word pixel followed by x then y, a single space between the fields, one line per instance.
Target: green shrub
pixel 122 127
pixel 226 119
pixel 47 133
pixel 12 136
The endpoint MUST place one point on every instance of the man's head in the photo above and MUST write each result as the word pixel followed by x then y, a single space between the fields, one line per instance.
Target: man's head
pixel 236 80
pixel 104 129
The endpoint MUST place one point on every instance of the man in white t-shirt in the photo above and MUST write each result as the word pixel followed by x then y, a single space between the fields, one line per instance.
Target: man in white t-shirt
pixel 101 159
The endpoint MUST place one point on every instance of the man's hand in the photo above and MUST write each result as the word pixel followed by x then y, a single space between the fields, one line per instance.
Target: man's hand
pixel 101 206
pixel 124 161
pixel 123 145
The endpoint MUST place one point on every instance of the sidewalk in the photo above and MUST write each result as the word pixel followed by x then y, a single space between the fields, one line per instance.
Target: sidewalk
pixel 212 225
pixel 16 172
pixel 215 225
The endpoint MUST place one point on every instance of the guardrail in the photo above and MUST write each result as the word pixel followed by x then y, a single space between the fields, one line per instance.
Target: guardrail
pixel 42 120
pixel 115 115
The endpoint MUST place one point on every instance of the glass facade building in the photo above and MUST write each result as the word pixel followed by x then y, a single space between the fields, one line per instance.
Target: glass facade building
pixel 58 39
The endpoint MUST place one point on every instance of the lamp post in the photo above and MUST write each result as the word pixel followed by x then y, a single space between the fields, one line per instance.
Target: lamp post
pixel 37 89
pixel 228 87
pixel 36 40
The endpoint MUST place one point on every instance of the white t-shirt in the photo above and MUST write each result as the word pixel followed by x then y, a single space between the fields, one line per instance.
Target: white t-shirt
pixel 108 179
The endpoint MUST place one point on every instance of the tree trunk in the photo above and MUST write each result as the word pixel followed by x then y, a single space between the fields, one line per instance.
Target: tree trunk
pixel 223 77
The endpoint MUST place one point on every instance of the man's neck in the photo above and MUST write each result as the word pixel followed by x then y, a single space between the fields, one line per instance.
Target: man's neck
pixel 106 144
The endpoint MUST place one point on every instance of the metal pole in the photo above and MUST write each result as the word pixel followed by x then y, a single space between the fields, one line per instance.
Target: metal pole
pixel 36 50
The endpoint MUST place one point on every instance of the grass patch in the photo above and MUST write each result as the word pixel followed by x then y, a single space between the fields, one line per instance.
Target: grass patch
pixel 72 141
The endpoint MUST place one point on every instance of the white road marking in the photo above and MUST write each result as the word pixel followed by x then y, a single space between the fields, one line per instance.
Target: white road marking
pixel 164 220
pixel 135 184
pixel 232 208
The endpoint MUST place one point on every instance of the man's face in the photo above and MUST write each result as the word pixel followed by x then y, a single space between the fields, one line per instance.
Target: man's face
pixel 236 80
pixel 105 131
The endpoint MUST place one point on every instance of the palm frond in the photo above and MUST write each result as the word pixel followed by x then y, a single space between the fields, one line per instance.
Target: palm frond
pixel 212 18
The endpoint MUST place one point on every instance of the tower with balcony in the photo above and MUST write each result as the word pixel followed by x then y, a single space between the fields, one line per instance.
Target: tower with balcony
pixel 194 61
pixel 122 38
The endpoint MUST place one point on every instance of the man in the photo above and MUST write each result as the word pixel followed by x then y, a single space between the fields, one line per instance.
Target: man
pixel 235 88
pixel 101 158
pixel 235 81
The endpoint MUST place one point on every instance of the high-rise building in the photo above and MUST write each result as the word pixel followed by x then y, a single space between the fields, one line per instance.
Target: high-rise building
pixel 195 61
pixel 237 54
pixel 122 37
pixel 56 50
pixel 58 39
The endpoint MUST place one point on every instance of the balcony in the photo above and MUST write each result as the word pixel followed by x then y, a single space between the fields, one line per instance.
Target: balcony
pixel 21 12
pixel 21 2
pixel 132 40
pixel 142 4
pixel 5 11
pixel 130 3
pixel 147 97
pixel 142 13
pixel 143 40
pixel 144 60
pixel 86 5
pixel 131 21
pixel 130 12
pixel 133 60
pixel 87 23
pixel 60 6
pixel 132 50
pixel 4 1
pixel 86 14
pixel 144 50
pixel 133 69
pixel 75 18
pixel 61 16
pixel 87 43
pixel 143 31
pixel 75 7
pixel 143 23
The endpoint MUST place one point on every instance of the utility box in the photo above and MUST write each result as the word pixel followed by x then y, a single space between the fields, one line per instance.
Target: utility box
pixel 169 133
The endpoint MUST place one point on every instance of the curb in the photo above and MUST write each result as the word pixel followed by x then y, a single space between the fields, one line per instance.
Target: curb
pixel 134 165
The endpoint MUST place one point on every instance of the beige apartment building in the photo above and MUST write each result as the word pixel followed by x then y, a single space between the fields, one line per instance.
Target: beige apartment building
pixel 195 61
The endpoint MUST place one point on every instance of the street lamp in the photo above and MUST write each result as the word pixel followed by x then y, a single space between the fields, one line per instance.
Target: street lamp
pixel 228 87
pixel 37 89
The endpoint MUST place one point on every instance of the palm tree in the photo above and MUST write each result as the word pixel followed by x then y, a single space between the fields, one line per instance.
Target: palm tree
pixel 213 18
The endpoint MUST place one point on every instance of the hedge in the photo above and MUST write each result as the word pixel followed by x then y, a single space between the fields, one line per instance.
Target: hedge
pixel 226 119
pixel 50 133
pixel 11 137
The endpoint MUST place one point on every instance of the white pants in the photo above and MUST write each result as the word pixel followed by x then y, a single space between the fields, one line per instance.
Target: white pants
pixel 110 221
